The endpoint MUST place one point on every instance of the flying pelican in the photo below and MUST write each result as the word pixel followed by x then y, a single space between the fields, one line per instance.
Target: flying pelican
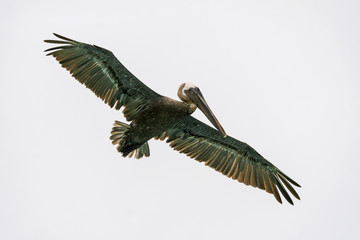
pixel 155 116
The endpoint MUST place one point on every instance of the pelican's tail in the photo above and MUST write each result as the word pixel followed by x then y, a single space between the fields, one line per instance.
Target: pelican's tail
pixel 119 137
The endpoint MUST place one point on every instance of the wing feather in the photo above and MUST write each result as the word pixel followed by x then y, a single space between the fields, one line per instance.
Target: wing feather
pixel 233 158
pixel 100 71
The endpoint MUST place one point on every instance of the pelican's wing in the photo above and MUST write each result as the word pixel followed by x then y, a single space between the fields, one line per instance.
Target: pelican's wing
pixel 103 74
pixel 229 156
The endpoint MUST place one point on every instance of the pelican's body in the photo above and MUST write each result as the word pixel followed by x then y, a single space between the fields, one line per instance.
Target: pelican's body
pixel 155 116
pixel 162 114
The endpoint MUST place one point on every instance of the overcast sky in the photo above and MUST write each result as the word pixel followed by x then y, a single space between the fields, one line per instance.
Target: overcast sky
pixel 282 76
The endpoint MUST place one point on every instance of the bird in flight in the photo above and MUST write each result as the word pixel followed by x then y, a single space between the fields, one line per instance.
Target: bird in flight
pixel 154 116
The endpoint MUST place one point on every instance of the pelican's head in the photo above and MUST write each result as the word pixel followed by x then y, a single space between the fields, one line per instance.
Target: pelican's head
pixel 192 95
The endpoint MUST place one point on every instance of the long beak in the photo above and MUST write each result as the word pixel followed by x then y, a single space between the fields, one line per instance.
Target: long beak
pixel 197 98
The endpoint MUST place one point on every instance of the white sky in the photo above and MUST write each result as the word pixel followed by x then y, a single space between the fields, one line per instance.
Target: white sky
pixel 282 76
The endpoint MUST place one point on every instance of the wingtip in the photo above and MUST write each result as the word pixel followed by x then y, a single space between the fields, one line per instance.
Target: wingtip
pixel 64 38
pixel 288 200
pixel 293 182
pixel 57 35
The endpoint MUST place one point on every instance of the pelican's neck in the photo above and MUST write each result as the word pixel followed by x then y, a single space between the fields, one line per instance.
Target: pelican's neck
pixel 192 106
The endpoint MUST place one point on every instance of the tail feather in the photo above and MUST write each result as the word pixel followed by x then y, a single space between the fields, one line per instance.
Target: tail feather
pixel 118 137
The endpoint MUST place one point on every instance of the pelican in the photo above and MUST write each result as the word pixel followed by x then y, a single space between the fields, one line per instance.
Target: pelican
pixel 154 116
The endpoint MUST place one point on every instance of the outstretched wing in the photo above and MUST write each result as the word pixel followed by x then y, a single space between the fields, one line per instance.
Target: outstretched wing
pixel 229 156
pixel 100 71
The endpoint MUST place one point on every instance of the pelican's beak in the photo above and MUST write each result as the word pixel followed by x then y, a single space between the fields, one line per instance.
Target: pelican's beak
pixel 198 99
